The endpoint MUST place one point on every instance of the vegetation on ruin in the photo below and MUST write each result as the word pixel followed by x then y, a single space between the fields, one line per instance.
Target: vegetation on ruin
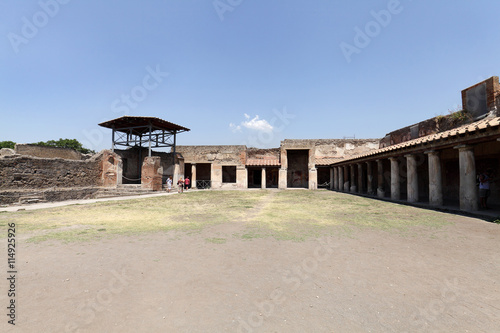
pixel 7 144
pixel 66 143
pixel 453 119
pixel 285 215
pixel 460 116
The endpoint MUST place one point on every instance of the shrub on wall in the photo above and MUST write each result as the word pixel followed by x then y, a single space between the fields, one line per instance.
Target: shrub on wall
pixel 7 144
pixel 66 143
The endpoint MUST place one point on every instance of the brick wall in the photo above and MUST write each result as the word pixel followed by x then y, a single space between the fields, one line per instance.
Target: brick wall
pixel 492 92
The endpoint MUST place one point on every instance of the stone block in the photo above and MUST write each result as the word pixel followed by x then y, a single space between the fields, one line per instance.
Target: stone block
pixel 241 177
pixel 111 169
pixel 216 176
pixel 151 177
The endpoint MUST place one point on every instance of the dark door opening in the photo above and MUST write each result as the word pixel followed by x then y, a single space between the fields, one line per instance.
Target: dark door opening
pixel 254 177
pixel 298 168
pixel 203 175
pixel 324 177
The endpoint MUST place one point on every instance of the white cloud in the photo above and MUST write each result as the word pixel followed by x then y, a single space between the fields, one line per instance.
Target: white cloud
pixel 235 128
pixel 256 124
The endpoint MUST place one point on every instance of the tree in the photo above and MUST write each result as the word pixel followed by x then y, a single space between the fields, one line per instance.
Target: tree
pixel 66 143
pixel 7 144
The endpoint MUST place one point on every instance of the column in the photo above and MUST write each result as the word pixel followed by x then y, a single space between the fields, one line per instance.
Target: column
pixel 380 179
pixel 435 181
pixel 313 178
pixel 193 175
pixel 395 183
pixel 282 179
pixel 369 178
pixel 336 178
pixel 353 187
pixel 331 178
pixel 346 179
pixel 468 191
pixel 412 178
pixel 283 173
pixel 341 179
pixel 361 183
pixel 263 179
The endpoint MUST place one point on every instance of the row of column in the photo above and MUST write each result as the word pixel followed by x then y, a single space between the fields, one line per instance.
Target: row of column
pixel 343 178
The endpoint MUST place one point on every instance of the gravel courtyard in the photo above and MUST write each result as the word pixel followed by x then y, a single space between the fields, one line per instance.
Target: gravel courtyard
pixel 253 261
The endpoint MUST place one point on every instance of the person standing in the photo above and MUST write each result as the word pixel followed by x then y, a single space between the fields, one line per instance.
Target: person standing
pixel 180 185
pixel 484 188
pixel 169 184
pixel 187 183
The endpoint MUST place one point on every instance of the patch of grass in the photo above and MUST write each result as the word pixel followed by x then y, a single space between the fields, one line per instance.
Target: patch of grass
pixel 188 212
pixel 216 240
pixel 297 215
pixel 285 215
pixel 250 234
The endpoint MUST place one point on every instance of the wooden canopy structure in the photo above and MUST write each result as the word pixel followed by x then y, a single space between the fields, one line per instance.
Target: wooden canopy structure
pixel 148 132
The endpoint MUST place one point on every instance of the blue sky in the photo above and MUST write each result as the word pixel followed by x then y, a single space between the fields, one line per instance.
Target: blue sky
pixel 239 71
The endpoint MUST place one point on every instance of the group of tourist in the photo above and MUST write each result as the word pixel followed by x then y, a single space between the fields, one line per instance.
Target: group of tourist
pixel 182 184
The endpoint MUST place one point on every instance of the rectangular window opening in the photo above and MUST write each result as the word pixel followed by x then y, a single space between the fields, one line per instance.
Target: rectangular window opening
pixel 228 174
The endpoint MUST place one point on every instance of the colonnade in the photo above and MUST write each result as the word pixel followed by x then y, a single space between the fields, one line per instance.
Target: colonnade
pixel 371 171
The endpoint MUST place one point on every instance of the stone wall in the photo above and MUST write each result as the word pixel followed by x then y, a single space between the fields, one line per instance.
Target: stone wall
pixel 344 148
pixel 34 172
pixel 330 148
pixel 255 153
pixel 56 178
pixel 217 157
pixel 224 155
pixel 47 152
pixel 51 194
pixel 427 127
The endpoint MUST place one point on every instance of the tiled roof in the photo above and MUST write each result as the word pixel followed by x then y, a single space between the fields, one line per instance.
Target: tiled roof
pixel 328 160
pixel 138 125
pixel 469 128
pixel 263 162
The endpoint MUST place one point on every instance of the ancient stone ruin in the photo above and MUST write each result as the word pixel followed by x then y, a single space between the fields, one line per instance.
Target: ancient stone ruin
pixel 435 161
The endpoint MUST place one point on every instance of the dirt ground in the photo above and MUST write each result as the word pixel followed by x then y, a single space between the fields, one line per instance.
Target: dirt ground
pixel 424 280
